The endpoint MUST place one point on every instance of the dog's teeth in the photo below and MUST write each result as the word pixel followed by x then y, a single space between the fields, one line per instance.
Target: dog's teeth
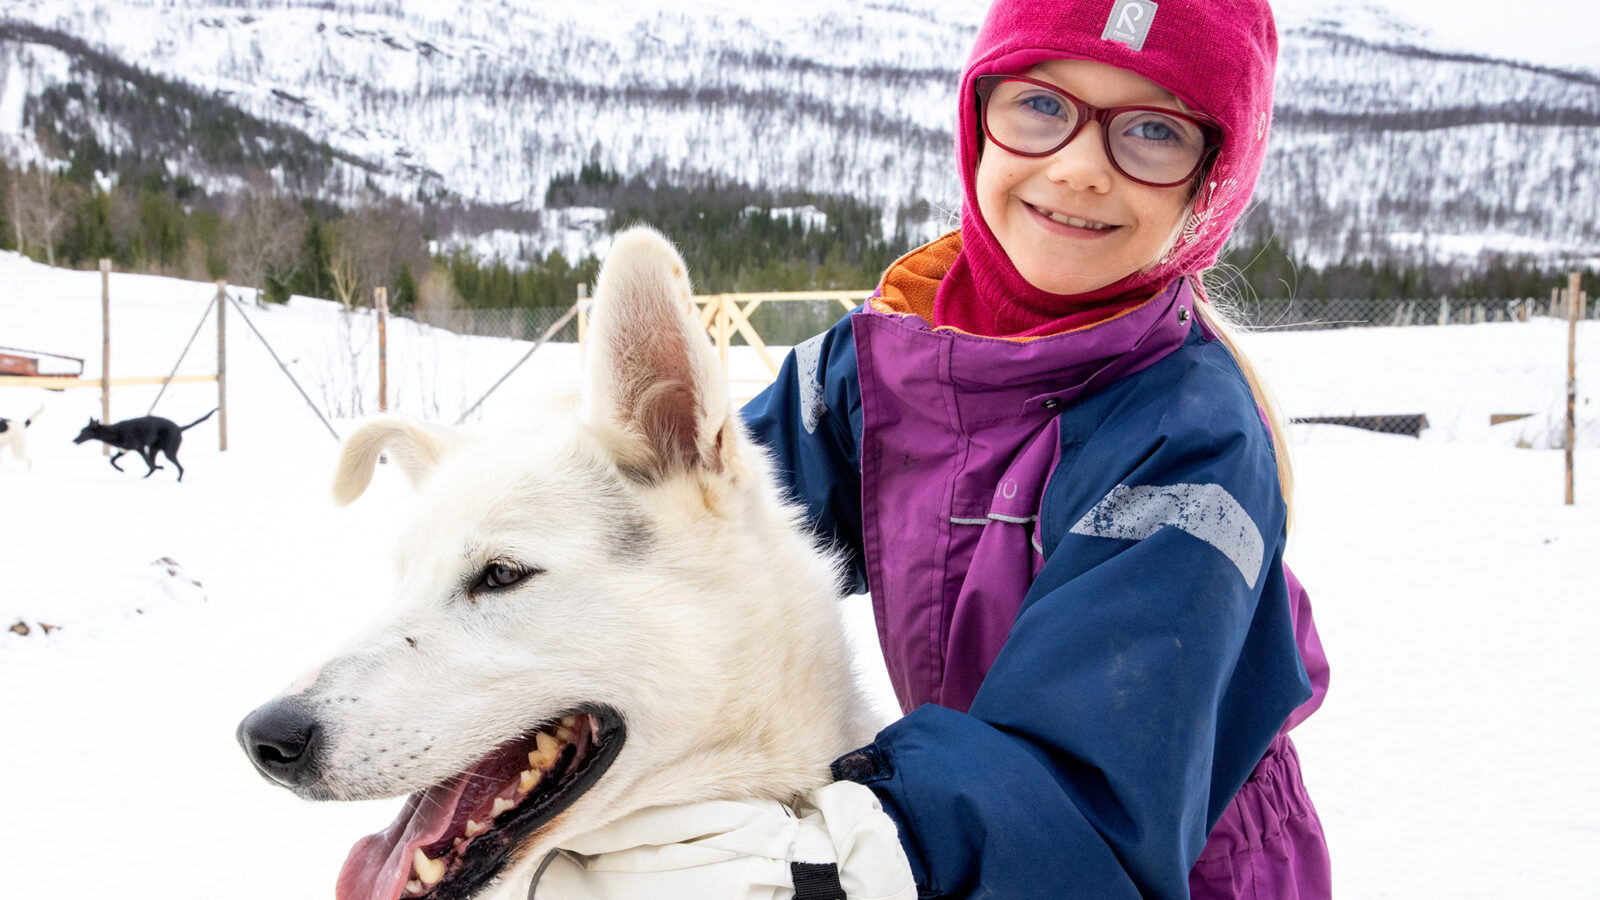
pixel 546 753
pixel 474 829
pixel 429 871
pixel 569 722
pixel 457 842
pixel 501 804
pixel 413 887
pixel 530 777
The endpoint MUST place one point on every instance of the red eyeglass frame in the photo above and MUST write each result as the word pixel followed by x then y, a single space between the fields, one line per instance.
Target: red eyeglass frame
pixel 1088 112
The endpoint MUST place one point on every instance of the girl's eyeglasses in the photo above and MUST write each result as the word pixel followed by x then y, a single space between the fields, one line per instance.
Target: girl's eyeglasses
pixel 1152 145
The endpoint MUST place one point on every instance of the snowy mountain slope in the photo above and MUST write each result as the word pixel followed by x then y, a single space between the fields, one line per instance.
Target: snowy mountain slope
pixel 1383 141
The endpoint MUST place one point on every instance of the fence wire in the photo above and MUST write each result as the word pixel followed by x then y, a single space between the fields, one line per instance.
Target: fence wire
pixel 1517 391
pixel 788 323
pixel 1352 312
pixel 522 324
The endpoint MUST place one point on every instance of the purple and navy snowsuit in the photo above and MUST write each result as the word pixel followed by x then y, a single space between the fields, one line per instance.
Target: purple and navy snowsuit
pixel 1074 549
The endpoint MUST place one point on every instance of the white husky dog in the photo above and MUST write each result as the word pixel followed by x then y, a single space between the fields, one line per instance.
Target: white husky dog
pixel 591 617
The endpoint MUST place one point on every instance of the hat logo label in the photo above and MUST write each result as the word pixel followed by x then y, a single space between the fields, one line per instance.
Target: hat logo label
pixel 1129 23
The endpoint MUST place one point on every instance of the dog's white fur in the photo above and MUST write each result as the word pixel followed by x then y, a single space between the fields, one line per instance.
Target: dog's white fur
pixel 16 436
pixel 676 588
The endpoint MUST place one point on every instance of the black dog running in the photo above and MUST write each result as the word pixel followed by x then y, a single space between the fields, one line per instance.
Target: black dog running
pixel 145 435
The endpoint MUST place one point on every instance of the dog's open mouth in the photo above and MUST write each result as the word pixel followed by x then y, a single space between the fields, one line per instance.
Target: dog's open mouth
pixel 453 838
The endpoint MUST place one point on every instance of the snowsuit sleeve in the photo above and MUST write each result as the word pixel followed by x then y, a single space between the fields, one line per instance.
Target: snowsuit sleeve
pixel 809 420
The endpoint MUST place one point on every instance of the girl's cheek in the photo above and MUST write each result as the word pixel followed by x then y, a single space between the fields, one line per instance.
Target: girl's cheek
pixel 991 183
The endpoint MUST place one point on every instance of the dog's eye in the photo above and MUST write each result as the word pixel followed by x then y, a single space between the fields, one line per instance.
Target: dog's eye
pixel 500 575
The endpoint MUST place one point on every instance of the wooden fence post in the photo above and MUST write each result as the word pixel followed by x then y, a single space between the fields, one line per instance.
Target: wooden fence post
pixel 1574 295
pixel 380 301
pixel 222 365
pixel 105 348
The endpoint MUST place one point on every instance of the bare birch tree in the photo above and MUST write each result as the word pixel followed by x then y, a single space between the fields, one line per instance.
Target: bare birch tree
pixel 345 278
pixel 266 238
pixel 39 208
pixel 377 242
pixel 14 203
pixel 436 295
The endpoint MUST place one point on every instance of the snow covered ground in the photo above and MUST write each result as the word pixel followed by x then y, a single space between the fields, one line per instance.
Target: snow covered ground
pixel 1455 594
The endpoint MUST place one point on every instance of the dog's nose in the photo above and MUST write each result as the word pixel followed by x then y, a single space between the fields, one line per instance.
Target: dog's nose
pixel 281 739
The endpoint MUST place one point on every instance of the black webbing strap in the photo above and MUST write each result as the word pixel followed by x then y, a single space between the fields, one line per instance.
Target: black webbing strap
pixel 816 881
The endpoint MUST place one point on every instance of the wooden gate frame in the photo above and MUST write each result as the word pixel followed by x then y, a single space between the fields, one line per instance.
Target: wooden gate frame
pixel 724 315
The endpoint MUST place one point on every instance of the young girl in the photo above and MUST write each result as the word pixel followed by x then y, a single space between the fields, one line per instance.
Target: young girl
pixel 1042 453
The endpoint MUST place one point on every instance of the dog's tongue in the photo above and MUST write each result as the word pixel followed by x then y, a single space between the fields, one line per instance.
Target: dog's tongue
pixel 380 864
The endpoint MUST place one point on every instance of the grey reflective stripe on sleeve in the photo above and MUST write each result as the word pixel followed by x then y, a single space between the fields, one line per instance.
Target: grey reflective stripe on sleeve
pixel 1206 511
pixel 807 355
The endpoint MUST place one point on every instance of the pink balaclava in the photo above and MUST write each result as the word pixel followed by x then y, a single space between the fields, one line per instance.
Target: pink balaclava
pixel 1217 56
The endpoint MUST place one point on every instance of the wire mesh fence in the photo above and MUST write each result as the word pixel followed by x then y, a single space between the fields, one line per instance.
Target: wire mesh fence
pixel 1354 312
pixel 521 324
pixel 779 324
pixel 786 324
pixel 1542 424
pixel 1516 372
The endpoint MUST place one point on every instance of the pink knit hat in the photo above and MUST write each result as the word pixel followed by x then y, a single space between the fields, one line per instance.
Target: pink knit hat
pixel 1217 56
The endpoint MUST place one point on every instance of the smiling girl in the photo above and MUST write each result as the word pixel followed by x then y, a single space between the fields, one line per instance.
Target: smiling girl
pixel 1067 492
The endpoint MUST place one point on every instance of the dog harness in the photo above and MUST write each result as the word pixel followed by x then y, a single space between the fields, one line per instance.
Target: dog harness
pixel 836 844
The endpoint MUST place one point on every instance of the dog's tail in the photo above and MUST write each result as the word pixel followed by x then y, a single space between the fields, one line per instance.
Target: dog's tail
pixel 199 420
pixel 29 420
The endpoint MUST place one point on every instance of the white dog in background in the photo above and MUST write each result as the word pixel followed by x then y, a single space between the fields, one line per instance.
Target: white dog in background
pixel 15 435
pixel 591 618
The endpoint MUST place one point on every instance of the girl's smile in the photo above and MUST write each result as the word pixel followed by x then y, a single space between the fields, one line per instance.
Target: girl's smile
pixel 1070 222
pixel 1070 225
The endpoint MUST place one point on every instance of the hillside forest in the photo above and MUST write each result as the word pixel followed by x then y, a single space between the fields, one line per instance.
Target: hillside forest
pixel 734 237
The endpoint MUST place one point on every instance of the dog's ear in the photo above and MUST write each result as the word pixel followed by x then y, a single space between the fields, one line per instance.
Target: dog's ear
pixel 415 446
pixel 653 378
